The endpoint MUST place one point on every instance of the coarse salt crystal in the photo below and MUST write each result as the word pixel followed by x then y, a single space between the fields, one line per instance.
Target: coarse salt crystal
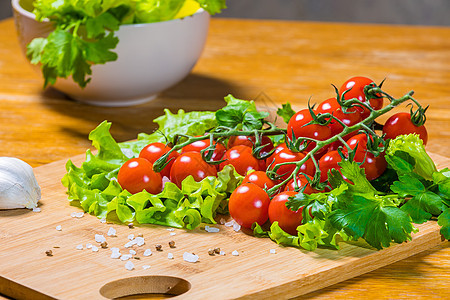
pixel 132 252
pixel 145 267
pixel 172 233
pixel 116 255
pixel 139 241
pixel 59 228
pixel 115 249
pixel 111 232
pixel 36 209
pixel 273 251
pixel 79 247
pixel 235 253
pixel 79 214
pixel 130 243
pixel 126 256
pixel 131 237
pixel 129 266
pixel 88 246
pixel 211 229
pixel 170 255
pixel 229 223
pixel 189 257
pixel 222 253
pixel 236 227
pixel 73 214
pixel 170 229
pixel 94 249
pixel 100 238
pixel 103 220
pixel 147 252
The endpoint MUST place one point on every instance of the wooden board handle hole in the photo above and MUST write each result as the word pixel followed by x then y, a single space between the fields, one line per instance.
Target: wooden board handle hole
pixel 145 287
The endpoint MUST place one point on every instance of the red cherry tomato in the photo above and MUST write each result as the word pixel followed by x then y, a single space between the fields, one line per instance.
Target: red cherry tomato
pixel 152 152
pixel 327 162
pixel 259 178
pixel 137 175
pixel 287 155
pixel 249 204
pixel 296 126
pixel 301 182
pixel 200 145
pixel 242 159
pixel 190 163
pixel 374 166
pixel 250 141
pixel 401 123
pixel 356 85
pixel 288 220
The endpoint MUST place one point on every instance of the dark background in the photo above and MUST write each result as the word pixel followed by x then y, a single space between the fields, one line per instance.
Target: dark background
pixel 416 12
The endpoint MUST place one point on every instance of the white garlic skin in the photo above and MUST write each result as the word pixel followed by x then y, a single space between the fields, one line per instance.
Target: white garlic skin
pixel 18 185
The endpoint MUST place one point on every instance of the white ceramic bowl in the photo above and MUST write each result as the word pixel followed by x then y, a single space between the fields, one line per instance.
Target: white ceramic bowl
pixel 151 57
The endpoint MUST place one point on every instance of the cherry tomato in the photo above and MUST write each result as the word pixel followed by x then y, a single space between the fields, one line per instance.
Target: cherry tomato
pixel 152 152
pixel 190 163
pixel 287 155
pixel 137 175
pixel 301 182
pixel 374 166
pixel 249 204
pixel 200 145
pixel 250 141
pixel 400 123
pixel 242 159
pixel 260 178
pixel 288 220
pixel 327 162
pixel 356 85
pixel 296 126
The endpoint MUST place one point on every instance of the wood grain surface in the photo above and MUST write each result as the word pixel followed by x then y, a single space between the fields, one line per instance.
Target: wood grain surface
pixel 272 62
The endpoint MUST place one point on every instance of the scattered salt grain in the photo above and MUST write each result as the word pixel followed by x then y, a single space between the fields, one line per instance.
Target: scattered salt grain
pixel 189 257
pixel 129 266
pixel 100 238
pixel 132 252
pixel 229 223
pixel 131 237
pixel 115 253
pixel 170 255
pixel 79 247
pixel 88 246
pixel 130 243
pixel 172 233
pixel 236 227
pixel 235 253
pixel 59 228
pixel 139 241
pixel 147 252
pixel 73 214
pixel 111 232
pixel 145 267
pixel 273 251
pixel 170 229
pixel 94 249
pixel 103 220
pixel 211 229
pixel 126 256
pixel 79 214
pixel 36 209
pixel 222 253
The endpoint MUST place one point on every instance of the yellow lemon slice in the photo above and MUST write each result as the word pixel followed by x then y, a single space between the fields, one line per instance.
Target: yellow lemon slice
pixel 189 8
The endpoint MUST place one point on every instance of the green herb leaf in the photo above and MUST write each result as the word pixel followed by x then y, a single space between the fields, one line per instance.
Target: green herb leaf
pixel 286 112
pixel 444 222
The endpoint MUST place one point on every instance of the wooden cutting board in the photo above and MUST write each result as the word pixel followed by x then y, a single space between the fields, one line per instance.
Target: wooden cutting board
pixel 27 272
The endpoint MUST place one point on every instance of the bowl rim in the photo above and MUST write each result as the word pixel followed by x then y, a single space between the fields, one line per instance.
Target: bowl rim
pixel 16 6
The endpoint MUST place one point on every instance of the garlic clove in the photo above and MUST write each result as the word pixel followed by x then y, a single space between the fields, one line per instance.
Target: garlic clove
pixel 18 185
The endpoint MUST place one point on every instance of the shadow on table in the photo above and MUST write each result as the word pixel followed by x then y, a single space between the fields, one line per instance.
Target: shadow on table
pixel 195 92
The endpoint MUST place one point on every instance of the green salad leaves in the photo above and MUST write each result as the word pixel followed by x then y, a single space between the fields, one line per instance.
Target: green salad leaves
pixel 84 31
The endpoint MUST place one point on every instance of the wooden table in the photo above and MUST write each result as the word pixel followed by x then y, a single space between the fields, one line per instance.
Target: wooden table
pixel 270 61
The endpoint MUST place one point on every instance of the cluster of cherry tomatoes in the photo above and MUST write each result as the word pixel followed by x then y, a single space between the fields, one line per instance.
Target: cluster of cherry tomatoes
pixel 250 203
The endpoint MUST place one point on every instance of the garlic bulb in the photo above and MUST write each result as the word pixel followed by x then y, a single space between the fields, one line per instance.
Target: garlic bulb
pixel 18 186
